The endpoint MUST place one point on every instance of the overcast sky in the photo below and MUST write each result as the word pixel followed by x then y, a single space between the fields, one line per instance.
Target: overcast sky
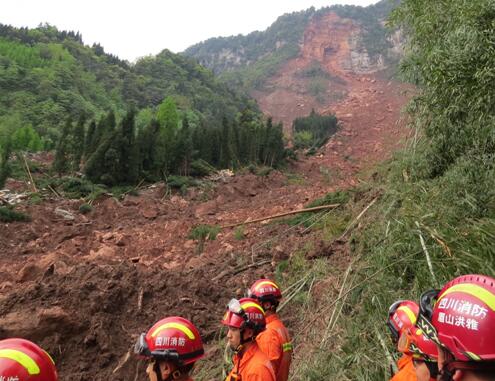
pixel 132 29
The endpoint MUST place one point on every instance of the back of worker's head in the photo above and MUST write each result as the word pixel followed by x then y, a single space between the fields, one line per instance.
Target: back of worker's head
pixel 402 315
pixel 460 319
pixel 245 313
pixel 267 293
pixel 22 360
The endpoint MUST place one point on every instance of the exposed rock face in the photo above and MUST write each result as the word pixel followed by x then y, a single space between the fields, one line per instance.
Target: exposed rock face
pixel 333 38
pixel 334 45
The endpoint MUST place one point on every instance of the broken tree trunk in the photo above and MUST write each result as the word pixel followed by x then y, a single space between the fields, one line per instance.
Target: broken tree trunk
pixel 281 215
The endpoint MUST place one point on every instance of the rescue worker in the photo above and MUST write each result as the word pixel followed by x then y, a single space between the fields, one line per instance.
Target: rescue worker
pixel 401 316
pixel 172 346
pixel 22 360
pixel 274 341
pixel 245 319
pixel 460 319
pixel 423 351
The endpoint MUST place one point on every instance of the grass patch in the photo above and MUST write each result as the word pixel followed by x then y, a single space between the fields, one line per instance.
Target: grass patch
pixel 204 232
pixel 306 219
pixel 455 215
pixel 8 214
pixel 239 233
pixel 295 179
pixel 85 208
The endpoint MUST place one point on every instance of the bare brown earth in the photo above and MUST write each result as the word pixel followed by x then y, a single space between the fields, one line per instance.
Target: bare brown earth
pixel 84 288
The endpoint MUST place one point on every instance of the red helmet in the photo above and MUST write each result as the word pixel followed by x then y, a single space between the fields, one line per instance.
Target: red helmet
pixel 401 316
pixel 22 360
pixel 462 319
pixel 265 290
pixel 245 313
pixel 172 339
pixel 413 342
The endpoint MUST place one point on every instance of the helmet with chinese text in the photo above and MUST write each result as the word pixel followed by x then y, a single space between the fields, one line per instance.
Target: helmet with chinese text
pixel 172 339
pixel 464 317
pixel 22 360
pixel 402 315
pixel 265 290
pixel 245 313
pixel 413 342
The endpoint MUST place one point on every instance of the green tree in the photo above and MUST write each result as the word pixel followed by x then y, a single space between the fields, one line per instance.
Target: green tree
pixel 61 160
pixel 184 148
pixel 128 151
pixel 227 155
pixel 168 118
pixel 88 142
pixel 5 151
pixel 77 143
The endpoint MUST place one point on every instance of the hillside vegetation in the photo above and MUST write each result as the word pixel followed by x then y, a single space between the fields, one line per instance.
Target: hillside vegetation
pixel 47 75
pixel 247 61
pixel 429 214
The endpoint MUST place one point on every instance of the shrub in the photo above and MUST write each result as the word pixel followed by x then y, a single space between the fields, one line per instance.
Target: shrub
pixel 204 232
pixel 8 214
pixel 85 208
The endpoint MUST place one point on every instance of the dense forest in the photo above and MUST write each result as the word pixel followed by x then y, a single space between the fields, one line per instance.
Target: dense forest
pixel 247 61
pixel 114 153
pixel 314 130
pixel 47 75
pixel 118 122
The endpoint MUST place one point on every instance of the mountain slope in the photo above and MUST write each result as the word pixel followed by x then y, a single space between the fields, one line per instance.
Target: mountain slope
pixel 47 75
pixel 306 60
pixel 250 60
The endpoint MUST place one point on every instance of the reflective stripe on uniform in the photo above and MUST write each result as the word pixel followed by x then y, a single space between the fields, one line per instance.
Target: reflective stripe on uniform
pixel 286 347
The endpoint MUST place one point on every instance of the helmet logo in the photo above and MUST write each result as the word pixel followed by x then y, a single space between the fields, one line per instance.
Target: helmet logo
pixel 470 311
pixel 170 341
pixel 254 316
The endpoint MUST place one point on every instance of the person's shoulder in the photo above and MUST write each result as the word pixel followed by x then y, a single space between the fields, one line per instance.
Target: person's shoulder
pixel 262 364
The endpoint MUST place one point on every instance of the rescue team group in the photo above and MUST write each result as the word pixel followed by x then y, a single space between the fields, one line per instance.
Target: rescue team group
pixel 449 335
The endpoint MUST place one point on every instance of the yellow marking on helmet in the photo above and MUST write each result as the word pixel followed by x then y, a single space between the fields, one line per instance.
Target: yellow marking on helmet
pixel 410 314
pixel 50 357
pixel 251 304
pixel 266 282
pixel 419 332
pixel 472 289
pixel 473 356
pixel 179 326
pixel 22 359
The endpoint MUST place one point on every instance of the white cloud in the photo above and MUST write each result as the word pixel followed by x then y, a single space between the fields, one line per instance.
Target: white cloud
pixel 131 29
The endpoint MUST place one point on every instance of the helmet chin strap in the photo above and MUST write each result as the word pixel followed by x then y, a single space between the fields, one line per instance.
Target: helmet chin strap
pixel 244 341
pixel 445 374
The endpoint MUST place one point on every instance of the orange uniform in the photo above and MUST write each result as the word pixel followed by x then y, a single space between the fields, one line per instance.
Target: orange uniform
pixel 251 365
pixel 275 342
pixel 406 370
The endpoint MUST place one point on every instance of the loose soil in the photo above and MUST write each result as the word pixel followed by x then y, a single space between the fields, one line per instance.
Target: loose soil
pixel 85 288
